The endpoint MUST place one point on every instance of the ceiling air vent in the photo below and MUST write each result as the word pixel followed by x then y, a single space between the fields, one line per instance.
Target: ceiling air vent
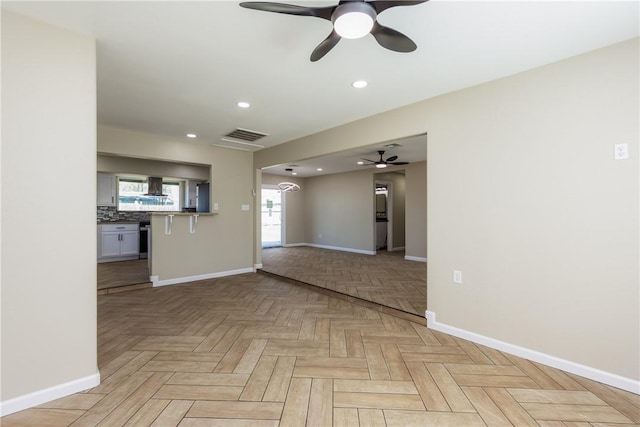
pixel 246 135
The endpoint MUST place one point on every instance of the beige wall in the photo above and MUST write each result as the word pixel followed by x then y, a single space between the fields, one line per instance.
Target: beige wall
pixel 230 241
pixel 339 210
pixel 130 165
pixel 48 233
pixel 416 210
pixel 524 198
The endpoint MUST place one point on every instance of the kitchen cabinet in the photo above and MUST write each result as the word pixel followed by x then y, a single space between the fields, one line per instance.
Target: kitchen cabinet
pixel 106 189
pixel 118 242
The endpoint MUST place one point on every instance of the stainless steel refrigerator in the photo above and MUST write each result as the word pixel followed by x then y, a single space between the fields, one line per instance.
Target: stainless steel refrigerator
pixel 202 197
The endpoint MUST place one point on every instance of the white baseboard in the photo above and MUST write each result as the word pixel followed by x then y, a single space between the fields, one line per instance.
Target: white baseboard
pixel 156 282
pixel 396 249
pixel 337 248
pixel 256 267
pixel 536 356
pixel 48 394
pixel 357 251
pixel 118 258
pixel 415 258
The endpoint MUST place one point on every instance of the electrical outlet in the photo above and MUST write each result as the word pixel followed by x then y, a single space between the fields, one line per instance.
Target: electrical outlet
pixel 457 277
pixel 621 151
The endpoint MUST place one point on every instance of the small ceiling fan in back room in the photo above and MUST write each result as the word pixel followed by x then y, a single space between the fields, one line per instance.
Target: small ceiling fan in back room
pixel 382 163
pixel 350 19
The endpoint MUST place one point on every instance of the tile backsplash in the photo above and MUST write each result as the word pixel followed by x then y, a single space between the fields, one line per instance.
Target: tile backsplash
pixel 111 214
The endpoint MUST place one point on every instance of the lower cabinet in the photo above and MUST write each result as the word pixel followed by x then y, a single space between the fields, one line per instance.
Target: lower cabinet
pixel 118 242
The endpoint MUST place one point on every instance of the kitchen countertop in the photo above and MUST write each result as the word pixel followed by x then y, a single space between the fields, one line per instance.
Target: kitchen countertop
pixel 183 213
pixel 118 222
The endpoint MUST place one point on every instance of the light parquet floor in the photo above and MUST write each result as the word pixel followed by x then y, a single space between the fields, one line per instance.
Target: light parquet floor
pixel 386 278
pixel 251 350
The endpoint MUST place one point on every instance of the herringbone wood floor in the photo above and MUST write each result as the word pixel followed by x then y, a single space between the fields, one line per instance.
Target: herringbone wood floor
pixel 251 350
pixel 122 273
pixel 386 278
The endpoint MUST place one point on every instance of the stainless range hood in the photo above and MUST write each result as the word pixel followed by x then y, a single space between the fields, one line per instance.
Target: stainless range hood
pixel 154 187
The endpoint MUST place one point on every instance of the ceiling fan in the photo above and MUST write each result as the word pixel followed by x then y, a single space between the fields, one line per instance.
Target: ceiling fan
pixel 382 163
pixel 351 19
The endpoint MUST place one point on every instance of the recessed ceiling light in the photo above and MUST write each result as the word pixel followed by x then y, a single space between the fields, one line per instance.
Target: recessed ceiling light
pixel 360 163
pixel 359 84
pixel 319 169
pixel 294 173
pixel 243 104
pixel 191 135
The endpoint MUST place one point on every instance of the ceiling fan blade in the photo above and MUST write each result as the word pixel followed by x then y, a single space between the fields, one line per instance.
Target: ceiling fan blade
pixel 397 163
pixel 290 9
pixel 380 6
pixel 372 161
pixel 392 158
pixel 392 39
pixel 325 46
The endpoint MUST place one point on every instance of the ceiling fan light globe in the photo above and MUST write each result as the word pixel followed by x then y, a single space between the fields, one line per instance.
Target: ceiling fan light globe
pixel 353 20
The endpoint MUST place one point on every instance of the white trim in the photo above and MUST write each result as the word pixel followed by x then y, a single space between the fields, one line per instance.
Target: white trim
pixel 118 258
pixel 336 248
pixel 156 282
pixel 396 249
pixel 48 394
pixel 256 267
pixel 357 251
pixel 545 359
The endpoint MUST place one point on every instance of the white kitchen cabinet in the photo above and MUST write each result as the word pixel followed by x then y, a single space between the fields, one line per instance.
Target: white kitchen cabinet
pixel 130 242
pixel 118 242
pixel 106 189
pixel 110 245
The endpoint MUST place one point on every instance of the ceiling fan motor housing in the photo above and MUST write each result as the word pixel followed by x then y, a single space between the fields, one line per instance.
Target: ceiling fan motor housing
pixel 353 20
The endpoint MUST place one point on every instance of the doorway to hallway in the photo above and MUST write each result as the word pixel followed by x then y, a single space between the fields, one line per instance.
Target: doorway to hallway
pixel 271 216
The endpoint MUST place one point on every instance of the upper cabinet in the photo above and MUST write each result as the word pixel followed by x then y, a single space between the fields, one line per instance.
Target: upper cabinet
pixel 106 189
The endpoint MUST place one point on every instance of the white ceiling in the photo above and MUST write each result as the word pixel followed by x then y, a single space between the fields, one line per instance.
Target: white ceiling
pixel 173 67
pixel 411 149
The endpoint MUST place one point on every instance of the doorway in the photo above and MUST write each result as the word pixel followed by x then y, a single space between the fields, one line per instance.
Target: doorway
pixel 390 206
pixel 271 216
pixel 384 215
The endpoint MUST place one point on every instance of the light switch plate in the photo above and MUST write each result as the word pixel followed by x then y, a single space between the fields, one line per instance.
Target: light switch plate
pixel 245 207
pixel 457 277
pixel 621 151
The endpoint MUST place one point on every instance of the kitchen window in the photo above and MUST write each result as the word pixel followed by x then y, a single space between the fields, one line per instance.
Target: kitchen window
pixel 132 196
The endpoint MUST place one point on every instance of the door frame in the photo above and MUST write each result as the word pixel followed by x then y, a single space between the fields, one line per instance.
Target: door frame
pixel 282 212
pixel 389 186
